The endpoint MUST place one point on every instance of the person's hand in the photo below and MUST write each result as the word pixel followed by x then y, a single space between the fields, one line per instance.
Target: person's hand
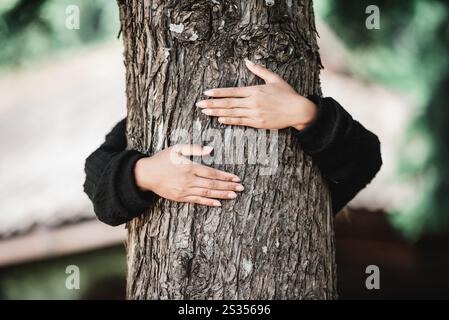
pixel 275 105
pixel 172 176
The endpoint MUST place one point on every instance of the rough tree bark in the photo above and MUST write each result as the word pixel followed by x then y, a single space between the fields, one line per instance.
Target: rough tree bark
pixel 276 240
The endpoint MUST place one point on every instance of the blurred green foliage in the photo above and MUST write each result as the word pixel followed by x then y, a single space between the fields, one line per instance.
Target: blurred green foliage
pixel 46 279
pixel 406 53
pixel 33 29
pixel 410 53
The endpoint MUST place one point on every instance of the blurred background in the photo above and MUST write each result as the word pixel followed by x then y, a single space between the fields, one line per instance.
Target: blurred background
pixel 62 90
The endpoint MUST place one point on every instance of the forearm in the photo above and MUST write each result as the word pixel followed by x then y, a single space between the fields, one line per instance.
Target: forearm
pixel 347 154
pixel 115 196
pixel 110 182
pixel 123 184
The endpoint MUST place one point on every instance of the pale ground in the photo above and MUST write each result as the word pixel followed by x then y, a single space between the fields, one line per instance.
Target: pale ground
pixel 51 118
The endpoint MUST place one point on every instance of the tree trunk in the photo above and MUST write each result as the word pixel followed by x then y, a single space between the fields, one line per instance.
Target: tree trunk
pixel 276 240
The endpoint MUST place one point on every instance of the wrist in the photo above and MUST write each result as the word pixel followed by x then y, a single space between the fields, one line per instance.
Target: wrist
pixel 306 113
pixel 140 171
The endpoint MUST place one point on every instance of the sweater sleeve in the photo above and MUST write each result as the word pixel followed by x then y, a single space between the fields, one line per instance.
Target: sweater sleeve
pixel 347 154
pixel 110 182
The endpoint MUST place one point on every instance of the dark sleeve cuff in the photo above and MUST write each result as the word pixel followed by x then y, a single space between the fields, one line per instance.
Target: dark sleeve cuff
pixel 325 129
pixel 133 199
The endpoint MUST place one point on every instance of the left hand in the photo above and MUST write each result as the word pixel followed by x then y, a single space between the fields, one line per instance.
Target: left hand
pixel 275 105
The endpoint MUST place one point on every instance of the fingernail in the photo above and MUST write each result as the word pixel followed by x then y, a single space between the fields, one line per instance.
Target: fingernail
pixel 249 62
pixel 240 188
pixel 208 149
pixel 201 104
pixel 208 92
pixel 232 195
pixel 206 111
pixel 236 179
pixel 217 203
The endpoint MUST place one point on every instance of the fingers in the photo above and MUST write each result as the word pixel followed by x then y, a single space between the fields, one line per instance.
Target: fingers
pixel 217 184
pixel 246 122
pixel 180 151
pixel 210 173
pixel 240 92
pixel 204 191
pixel 262 72
pixel 233 113
pixel 202 201
pixel 237 92
pixel 224 103
pixel 192 150
pixel 214 194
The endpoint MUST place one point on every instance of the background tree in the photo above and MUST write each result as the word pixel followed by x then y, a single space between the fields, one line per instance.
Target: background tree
pixel 275 241
pixel 408 53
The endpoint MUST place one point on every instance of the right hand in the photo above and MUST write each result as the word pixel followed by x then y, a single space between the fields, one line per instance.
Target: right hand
pixel 172 176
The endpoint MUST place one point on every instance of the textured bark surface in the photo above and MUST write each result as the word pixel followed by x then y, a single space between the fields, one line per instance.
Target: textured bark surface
pixel 276 240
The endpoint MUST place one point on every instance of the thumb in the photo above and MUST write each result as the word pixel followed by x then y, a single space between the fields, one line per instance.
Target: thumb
pixel 192 149
pixel 262 72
